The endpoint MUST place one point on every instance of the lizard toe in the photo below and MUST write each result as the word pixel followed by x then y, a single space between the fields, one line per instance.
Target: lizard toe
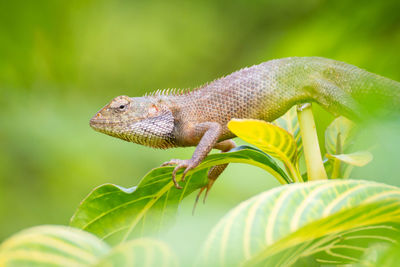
pixel 189 167
pixel 176 184
pixel 180 164
pixel 171 162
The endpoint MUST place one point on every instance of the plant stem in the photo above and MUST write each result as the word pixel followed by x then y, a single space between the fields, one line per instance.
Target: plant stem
pixel 312 152
pixel 336 162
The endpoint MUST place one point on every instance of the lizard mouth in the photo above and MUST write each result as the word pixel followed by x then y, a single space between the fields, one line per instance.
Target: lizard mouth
pixel 99 123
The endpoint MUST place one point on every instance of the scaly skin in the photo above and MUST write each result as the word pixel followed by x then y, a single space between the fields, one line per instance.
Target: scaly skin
pixel 199 117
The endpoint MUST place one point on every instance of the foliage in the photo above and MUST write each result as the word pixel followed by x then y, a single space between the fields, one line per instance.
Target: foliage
pixel 271 139
pixel 62 60
pixel 53 245
pixel 325 219
pixel 323 222
pixel 115 213
pixel 381 254
pixel 339 138
pixel 290 123
pixel 349 215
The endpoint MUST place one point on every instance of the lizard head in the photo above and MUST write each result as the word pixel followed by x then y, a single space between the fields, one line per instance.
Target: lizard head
pixel 142 120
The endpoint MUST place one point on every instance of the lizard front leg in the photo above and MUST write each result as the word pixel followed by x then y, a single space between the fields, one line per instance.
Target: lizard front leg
pixel 209 132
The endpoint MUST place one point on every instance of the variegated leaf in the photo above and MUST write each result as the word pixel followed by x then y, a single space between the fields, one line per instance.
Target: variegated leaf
pixel 56 245
pixel 271 139
pixel 140 252
pixel 290 123
pixel 52 245
pixel 360 158
pixel 331 220
pixel 338 135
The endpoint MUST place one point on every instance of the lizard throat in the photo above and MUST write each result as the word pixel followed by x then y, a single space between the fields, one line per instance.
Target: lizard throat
pixel 149 132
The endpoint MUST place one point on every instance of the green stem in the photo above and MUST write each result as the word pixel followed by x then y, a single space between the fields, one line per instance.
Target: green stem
pixel 336 162
pixel 312 152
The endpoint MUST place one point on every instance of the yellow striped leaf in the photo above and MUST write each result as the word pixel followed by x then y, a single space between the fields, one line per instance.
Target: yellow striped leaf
pixel 333 221
pixel 271 139
pixel 359 159
pixel 338 135
pixel 140 252
pixel 338 142
pixel 52 245
pixel 290 123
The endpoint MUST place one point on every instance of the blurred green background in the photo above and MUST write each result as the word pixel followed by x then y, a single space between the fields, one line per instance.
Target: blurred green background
pixel 61 61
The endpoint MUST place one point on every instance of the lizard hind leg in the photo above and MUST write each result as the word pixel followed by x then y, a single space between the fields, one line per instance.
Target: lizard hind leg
pixel 214 172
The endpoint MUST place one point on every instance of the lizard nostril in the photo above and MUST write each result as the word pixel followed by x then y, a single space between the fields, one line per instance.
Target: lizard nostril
pixel 98 115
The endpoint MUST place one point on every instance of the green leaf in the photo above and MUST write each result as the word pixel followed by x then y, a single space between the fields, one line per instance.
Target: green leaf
pixel 338 136
pixel 381 254
pixel 51 245
pixel 360 158
pixel 333 220
pixel 338 141
pixel 140 252
pixel 249 155
pixel 54 245
pixel 271 139
pixel 290 123
pixel 116 214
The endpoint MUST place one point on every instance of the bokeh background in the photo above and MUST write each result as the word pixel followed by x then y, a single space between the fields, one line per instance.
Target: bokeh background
pixel 61 61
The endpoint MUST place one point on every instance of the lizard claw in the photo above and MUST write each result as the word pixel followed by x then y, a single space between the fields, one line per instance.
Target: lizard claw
pixel 187 164
pixel 207 187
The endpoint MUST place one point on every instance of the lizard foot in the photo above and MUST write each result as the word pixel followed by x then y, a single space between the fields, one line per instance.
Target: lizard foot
pixel 207 187
pixel 180 163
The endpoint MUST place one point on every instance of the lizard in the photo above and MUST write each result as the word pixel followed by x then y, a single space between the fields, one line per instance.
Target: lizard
pixel 199 117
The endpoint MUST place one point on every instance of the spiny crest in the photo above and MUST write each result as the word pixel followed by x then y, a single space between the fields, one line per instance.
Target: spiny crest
pixel 170 92
pixel 178 92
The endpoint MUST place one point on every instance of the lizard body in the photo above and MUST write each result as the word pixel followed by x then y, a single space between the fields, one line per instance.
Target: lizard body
pixel 266 91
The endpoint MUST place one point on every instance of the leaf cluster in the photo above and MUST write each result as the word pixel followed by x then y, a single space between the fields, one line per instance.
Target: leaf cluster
pixel 334 221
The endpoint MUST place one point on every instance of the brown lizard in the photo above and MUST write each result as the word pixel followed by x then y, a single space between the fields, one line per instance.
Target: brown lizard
pixel 166 119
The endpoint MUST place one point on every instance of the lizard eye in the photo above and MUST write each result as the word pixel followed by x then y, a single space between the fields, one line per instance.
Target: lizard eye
pixel 122 107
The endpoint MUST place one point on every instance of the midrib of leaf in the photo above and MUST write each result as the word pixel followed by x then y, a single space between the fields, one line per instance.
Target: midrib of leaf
pixel 326 223
pixel 114 209
pixel 155 198
pixel 145 209
pixel 311 229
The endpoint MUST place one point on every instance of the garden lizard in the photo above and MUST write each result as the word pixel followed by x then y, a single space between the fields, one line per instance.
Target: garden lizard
pixel 199 117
